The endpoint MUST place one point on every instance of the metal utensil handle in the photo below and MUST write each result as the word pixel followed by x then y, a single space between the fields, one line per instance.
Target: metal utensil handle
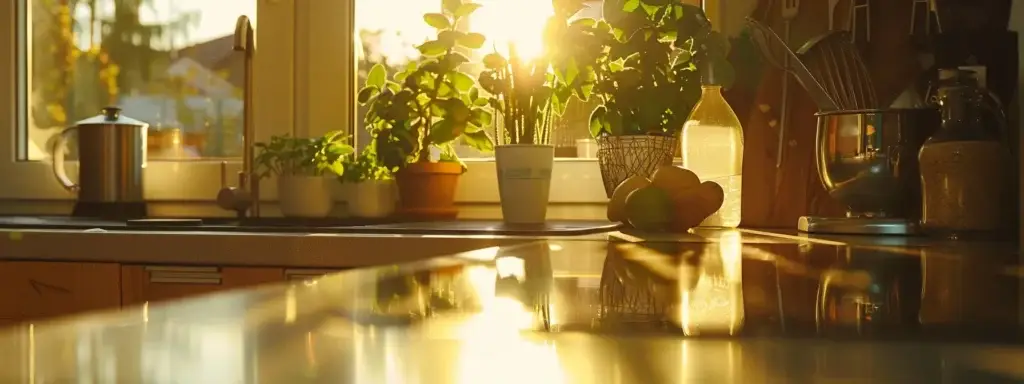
pixel 57 152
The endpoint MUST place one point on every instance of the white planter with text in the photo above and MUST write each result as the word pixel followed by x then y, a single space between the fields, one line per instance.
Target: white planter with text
pixel 524 181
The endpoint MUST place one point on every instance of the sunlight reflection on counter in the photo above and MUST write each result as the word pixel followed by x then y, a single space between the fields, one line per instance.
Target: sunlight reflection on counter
pixel 714 305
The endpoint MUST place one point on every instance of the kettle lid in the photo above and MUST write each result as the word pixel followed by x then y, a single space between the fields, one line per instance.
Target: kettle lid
pixel 112 115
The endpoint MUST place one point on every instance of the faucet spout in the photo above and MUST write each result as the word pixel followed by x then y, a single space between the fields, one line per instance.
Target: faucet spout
pixel 244 35
pixel 246 196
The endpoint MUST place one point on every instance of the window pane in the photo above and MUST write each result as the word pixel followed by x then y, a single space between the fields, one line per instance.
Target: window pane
pixel 166 62
pixel 389 30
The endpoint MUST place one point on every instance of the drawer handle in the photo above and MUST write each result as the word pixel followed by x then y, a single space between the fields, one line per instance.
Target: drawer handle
pixel 184 275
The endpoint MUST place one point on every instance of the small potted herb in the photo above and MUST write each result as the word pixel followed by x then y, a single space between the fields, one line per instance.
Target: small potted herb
pixel 527 97
pixel 642 67
pixel 429 105
pixel 300 165
pixel 368 187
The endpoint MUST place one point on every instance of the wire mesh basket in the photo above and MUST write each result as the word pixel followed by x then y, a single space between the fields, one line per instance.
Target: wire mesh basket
pixel 622 157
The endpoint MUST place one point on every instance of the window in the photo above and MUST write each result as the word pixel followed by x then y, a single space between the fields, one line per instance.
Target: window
pixel 386 32
pixel 169 63
pixel 388 37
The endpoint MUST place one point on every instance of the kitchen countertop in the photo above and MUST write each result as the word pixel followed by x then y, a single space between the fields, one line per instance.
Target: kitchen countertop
pixel 716 306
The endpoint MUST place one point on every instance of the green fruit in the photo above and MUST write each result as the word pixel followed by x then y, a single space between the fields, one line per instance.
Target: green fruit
pixel 617 204
pixel 649 209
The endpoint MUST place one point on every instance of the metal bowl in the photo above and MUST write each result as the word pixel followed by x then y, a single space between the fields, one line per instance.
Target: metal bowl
pixel 867 159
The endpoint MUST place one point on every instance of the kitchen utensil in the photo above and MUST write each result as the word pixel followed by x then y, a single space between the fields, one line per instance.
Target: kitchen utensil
pixel 832 14
pixel 965 169
pixel 773 49
pixel 790 10
pixel 111 157
pixel 840 69
pixel 931 10
pixel 853 22
pixel 867 160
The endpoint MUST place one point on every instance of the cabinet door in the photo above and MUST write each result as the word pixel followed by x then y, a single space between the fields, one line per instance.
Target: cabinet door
pixel 32 290
pixel 142 283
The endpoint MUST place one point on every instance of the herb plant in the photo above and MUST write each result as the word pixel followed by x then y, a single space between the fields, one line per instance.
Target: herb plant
pixel 527 95
pixel 432 102
pixel 364 167
pixel 641 63
pixel 286 155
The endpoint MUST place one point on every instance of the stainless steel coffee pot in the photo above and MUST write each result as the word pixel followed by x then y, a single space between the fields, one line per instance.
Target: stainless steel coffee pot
pixel 111 158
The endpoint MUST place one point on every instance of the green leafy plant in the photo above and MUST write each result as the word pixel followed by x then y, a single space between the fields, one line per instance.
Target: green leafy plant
pixel 364 167
pixel 526 94
pixel 431 102
pixel 641 63
pixel 286 155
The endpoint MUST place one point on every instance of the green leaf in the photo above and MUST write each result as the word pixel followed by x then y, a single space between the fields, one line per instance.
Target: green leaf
pixel 597 121
pixel 478 140
pixel 437 20
pixel 494 61
pixel 433 48
pixel 461 81
pixel 472 40
pixel 474 94
pixel 481 117
pixel 451 6
pixel 630 5
pixel 377 76
pixel 450 38
pixel 367 93
pixel 457 110
pixel 444 131
pixel 466 9
pixel 480 102
pixel 453 60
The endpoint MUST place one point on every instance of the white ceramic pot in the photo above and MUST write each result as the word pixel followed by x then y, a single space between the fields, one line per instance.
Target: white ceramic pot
pixel 304 196
pixel 524 181
pixel 371 198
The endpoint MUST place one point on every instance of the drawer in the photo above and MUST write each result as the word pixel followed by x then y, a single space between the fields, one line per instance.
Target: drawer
pixel 142 283
pixel 33 290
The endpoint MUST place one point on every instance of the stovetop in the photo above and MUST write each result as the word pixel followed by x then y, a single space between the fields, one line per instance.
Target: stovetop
pixel 327 225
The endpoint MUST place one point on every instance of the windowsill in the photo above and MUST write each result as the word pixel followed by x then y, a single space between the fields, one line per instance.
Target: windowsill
pixel 556 211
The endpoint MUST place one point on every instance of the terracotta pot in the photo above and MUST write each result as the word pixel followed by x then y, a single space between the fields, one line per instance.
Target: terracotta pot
pixel 427 190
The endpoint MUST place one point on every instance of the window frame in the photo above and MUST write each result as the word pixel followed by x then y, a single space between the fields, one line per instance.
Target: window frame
pixel 572 180
pixel 197 180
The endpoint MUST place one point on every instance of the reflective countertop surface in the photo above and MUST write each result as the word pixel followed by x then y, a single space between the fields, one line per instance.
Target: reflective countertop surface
pixel 713 307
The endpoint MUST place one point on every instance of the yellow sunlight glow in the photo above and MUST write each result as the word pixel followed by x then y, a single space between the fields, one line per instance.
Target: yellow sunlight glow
pixel 512 21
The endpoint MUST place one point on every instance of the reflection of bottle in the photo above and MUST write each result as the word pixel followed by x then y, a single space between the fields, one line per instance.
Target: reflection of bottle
pixel 713 149
pixel 715 304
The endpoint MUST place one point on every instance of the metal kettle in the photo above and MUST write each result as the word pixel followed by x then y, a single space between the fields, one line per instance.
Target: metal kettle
pixel 111 158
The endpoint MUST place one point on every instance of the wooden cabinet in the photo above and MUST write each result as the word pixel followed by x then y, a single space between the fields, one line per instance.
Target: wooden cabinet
pixel 32 290
pixel 142 283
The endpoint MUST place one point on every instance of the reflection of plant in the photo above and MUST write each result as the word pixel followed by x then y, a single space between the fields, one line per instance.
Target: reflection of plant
pixel 527 96
pixel 286 155
pixel 364 167
pixel 641 63
pixel 430 103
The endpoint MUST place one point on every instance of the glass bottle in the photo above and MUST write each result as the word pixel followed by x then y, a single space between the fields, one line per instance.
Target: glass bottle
pixel 712 147
pixel 965 175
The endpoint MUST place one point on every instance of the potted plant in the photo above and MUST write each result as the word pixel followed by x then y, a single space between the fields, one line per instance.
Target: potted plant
pixel 300 165
pixel 642 67
pixel 428 105
pixel 527 97
pixel 368 187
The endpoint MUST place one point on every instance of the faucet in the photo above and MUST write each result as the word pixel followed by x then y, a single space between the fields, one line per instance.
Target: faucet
pixel 246 196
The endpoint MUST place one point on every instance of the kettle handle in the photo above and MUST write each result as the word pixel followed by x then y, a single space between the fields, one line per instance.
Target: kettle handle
pixel 57 152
